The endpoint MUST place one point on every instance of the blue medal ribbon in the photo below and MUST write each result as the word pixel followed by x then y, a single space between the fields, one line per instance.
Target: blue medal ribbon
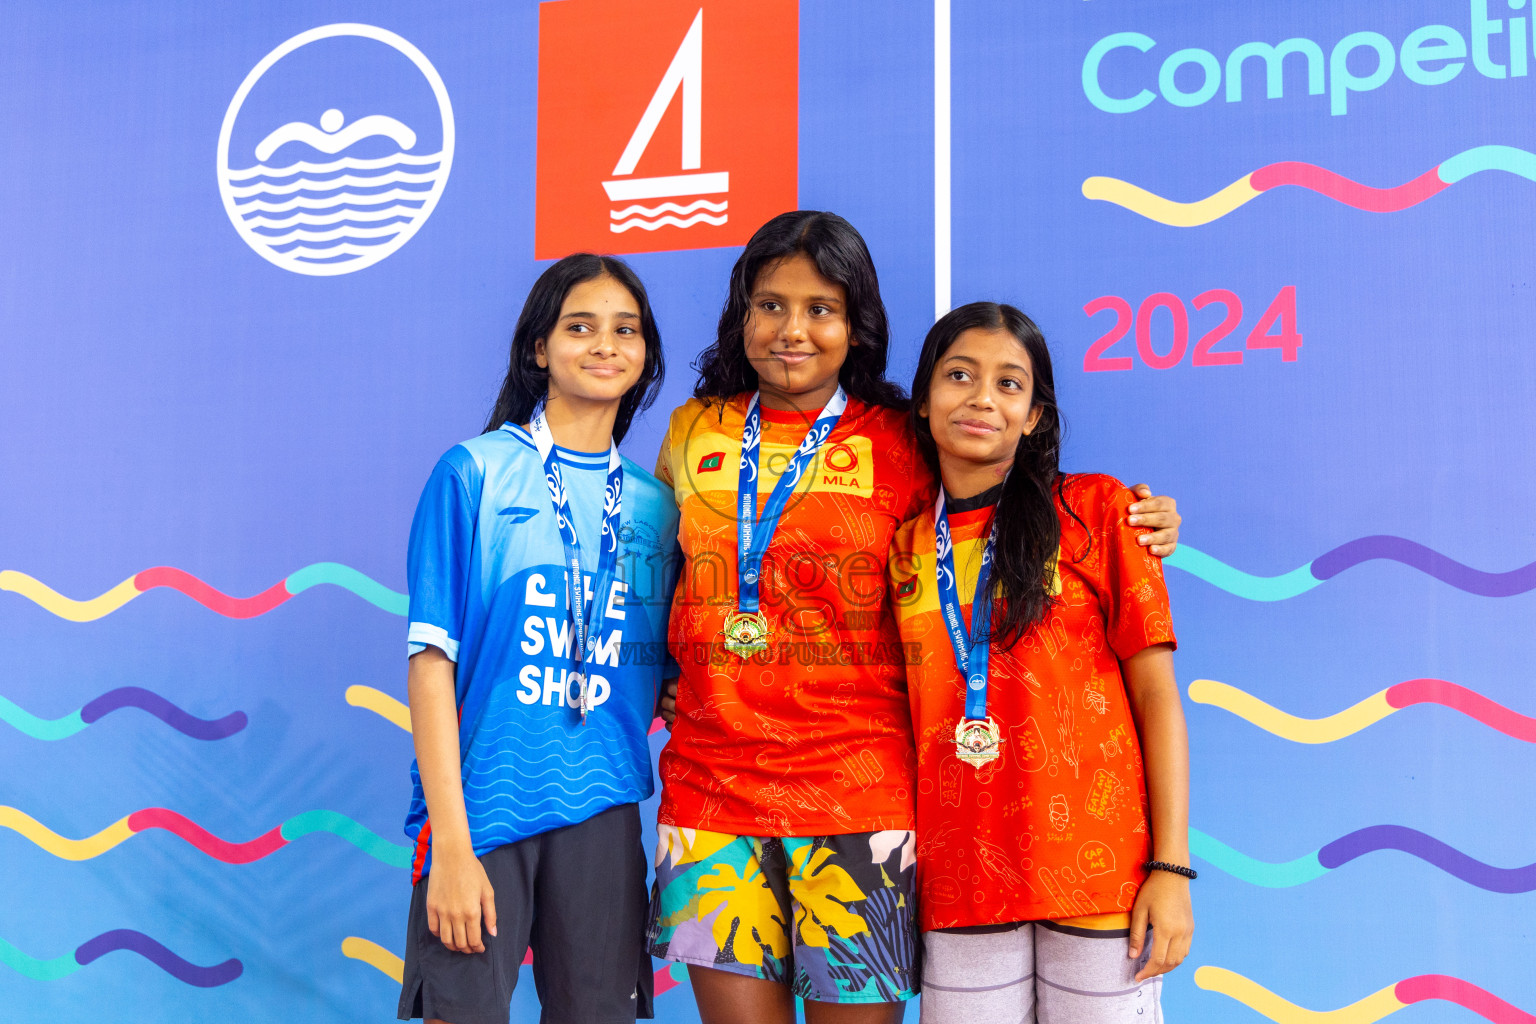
pixel 970 657
pixel 586 618
pixel 753 535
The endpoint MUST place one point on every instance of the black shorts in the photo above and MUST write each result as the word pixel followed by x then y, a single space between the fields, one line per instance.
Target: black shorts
pixel 577 897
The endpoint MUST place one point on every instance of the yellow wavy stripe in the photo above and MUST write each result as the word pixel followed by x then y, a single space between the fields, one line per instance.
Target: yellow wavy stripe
pixel 1166 211
pixel 1258 998
pixel 64 607
pixel 380 703
pixel 1287 726
pixel 68 849
pixel 374 955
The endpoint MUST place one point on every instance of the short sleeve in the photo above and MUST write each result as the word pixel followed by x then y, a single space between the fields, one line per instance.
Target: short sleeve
pixel 664 460
pixel 438 561
pixel 919 486
pixel 1134 594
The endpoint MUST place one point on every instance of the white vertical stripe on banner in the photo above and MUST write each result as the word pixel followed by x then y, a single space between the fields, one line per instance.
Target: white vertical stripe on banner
pixel 941 243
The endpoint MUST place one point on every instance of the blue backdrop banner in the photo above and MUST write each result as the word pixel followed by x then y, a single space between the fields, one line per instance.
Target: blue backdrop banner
pixel 1276 248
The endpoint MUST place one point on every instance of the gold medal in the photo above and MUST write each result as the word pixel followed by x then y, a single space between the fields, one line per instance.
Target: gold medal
pixel 746 633
pixel 977 741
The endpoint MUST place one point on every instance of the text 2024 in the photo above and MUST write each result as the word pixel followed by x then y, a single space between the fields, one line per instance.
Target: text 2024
pixel 1276 329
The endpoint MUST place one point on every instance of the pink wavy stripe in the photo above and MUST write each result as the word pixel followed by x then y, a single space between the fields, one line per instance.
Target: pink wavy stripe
pixel 214 600
pixel 1463 993
pixel 1468 702
pixel 1352 193
pixel 207 842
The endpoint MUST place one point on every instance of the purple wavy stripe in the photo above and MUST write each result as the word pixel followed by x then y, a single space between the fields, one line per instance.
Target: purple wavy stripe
pixel 170 963
pixel 1426 560
pixel 170 714
pixel 1431 850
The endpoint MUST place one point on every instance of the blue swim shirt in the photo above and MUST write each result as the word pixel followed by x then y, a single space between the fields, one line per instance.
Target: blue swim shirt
pixel 487 582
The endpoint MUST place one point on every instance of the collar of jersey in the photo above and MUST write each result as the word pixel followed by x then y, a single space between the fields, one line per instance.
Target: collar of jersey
pixel 567 456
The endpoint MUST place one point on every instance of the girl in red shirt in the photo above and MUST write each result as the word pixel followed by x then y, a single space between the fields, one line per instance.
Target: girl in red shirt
pixel 1053 773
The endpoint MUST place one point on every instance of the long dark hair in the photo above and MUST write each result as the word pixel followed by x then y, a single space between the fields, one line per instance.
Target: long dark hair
pixel 1028 531
pixel 840 256
pixel 527 384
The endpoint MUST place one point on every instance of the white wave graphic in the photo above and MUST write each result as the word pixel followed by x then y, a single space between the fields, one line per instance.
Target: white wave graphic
pixel 384 213
pixel 661 222
pixel 338 228
pixel 303 235
pixel 394 195
pixel 346 163
pixel 339 181
pixel 651 211
pixel 330 252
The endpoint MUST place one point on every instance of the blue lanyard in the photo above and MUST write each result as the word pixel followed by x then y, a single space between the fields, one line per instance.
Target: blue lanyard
pixel 971 658
pixel 608 557
pixel 753 535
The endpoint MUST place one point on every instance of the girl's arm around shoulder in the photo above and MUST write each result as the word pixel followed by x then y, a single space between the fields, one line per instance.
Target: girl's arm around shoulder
pixel 1155 520
pixel 1163 902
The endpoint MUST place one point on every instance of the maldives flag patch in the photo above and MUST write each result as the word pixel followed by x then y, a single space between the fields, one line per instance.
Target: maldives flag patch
pixel 711 462
pixel 908 588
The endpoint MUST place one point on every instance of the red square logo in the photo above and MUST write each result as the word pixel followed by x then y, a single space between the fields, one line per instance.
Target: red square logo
pixel 664 124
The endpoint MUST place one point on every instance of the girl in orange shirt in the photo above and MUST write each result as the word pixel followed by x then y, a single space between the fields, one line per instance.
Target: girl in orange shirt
pixel 1053 771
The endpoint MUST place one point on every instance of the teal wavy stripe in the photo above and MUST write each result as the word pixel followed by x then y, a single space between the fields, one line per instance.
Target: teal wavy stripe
pixel 1235 581
pixel 348 578
pixel 1255 872
pixel 1489 158
pixel 372 844
pixel 40 728
pixel 32 967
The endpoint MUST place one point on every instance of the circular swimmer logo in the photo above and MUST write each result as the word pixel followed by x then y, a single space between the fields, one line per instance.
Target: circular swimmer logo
pixel 344 192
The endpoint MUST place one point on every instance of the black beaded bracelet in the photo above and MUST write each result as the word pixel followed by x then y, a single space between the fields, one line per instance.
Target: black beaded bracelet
pixel 1177 869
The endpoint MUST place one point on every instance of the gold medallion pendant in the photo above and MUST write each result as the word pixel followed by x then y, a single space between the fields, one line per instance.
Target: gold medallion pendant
pixel 977 741
pixel 746 633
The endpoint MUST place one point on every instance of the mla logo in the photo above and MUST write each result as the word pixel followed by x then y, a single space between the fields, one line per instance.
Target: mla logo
pixel 344 191
pixel 841 458
pixel 688 142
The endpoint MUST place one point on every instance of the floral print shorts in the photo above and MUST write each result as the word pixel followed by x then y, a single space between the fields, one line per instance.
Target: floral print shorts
pixel 832 917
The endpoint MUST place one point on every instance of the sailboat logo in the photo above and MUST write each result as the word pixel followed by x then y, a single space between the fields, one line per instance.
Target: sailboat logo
pixel 685 74
pixel 343 191
pixel 689 142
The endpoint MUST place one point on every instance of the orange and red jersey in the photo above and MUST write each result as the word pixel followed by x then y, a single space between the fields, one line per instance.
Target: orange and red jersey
pixel 1056 827
pixel 812 737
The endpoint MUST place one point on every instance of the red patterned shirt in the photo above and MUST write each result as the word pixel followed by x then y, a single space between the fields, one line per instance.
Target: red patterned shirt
pixel 1056 827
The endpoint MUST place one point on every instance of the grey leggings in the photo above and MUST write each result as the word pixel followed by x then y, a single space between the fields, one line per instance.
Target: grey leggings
pixel 1036 973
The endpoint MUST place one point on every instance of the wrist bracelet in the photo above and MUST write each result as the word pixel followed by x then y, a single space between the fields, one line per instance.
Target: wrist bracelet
pixel 1177 869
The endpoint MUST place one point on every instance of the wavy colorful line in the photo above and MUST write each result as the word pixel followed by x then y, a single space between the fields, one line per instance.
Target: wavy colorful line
pixel 321 573
pixel 391 966
pixel 1372 1008
pixel 1316 179
pixel 111 942
pixel 264 845
pixel 375 956
pixel 1357 844
pixel 115 700
pixel 381 704
pixel 1347 556
pixel 1364 713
